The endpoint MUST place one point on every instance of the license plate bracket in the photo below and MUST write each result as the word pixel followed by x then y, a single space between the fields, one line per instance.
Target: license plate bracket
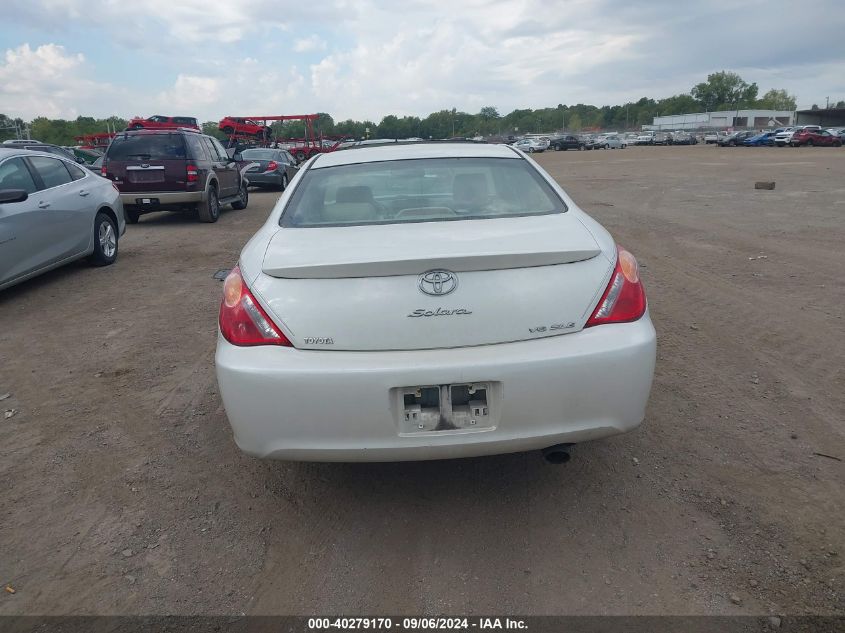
pixel 445 408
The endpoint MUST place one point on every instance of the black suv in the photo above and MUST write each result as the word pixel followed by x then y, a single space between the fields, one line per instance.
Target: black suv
pixel 176 170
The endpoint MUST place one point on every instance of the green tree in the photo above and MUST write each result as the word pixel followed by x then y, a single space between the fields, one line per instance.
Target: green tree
pixel 777 100
pixel 210 128
pixel 725 90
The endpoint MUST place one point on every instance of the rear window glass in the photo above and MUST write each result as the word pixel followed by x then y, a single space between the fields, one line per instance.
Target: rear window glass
pixel 260 154
pixel 147 147
pixel 424 190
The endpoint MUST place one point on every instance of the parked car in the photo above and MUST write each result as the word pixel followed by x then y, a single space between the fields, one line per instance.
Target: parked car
pixel 96 166
pixel 736 138
pixel 682 138
pixel 611 141
pixel 83 155
pixel 22 141
pixel 567 141
pixel 161 122
pixel 785 137
pixel 661 138
pixel 50 149
pixel 235 125
pixel 530 145
pixel 815 137
pixel 269 167
pixel 711 137
pixel 175 170
pixel 760 140
pixel 646 138
pixel 838 131
pixel 381 333
pixel 52 212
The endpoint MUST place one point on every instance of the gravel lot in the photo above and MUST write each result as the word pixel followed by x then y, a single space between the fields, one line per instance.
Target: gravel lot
pixel 122 491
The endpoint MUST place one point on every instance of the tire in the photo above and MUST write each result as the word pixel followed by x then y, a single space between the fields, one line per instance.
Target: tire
pixel 209 211
pixel 228 130
pixel 606 146
pixel 837 144
pixel 137 126
pixel 809 142
pixel 105 240
pixel 582 147
pixel 132 216
pixel 284 181
pixel 243 198
pixel 300 156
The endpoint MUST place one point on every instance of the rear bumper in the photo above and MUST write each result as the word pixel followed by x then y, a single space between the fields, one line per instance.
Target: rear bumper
pixel 292 404
pixel 165 198
pixel 263 178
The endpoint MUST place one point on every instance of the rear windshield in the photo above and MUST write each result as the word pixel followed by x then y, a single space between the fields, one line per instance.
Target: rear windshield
pixel 260 154
pixel 425 190
pixel 147 147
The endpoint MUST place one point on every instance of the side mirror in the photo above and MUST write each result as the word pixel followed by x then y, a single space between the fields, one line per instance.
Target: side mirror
pixel 12 195
pixel 80 161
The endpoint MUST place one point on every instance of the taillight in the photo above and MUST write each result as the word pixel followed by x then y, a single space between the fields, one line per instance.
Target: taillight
pixel 192 173
pixel 104 171
pixel 624 298
pixel 272 166
pixel 242 321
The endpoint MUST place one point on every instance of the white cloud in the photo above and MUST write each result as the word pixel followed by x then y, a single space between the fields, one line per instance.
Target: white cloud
pixel 310 43
pixel 45 81
pixel 375 57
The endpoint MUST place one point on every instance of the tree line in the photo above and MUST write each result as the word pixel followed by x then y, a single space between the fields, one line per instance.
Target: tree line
pixel 722 90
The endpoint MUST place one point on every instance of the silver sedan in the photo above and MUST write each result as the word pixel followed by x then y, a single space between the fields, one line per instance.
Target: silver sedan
pixel 52 211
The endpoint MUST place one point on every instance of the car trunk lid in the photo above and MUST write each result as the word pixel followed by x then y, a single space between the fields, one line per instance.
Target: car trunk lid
pixel 432 285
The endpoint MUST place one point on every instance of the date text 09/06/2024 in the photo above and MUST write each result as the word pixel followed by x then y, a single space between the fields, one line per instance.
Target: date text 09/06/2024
pixel 416 624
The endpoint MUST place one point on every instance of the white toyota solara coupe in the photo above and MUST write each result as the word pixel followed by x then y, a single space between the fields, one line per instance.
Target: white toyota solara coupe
pixel 428 301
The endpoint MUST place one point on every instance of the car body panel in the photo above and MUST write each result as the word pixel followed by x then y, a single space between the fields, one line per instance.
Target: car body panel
pixel 257 171
pixel 54 225
pixel 159 180
pixel 764 139
pixel 815 137
pixel 162 122
pixel 285 403
pixel 335 399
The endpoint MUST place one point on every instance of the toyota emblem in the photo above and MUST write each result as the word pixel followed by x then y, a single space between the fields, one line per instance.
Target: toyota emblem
pixel 437 282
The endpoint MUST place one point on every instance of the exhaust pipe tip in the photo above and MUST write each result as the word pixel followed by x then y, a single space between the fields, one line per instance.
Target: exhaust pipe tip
pixel 557 454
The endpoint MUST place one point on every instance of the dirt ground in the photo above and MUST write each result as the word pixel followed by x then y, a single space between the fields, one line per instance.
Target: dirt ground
pixel 122 491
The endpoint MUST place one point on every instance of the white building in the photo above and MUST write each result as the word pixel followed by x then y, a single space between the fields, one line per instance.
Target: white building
pixel 753 119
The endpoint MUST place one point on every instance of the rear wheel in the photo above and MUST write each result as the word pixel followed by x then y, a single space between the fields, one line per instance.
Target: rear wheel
pixel 284 181
pixel 243 198
pixel 132 216
pixel 837 143
pixel 228 129
pixel 209 211
pixel 105 240
pixel 530 150
pixel 809 142
pixel 300 156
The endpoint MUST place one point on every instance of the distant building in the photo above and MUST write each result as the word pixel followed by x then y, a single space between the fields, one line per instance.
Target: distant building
pixel 753 119
pixel 826 117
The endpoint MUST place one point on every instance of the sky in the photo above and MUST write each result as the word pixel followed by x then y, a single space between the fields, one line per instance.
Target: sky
pixel 363 59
